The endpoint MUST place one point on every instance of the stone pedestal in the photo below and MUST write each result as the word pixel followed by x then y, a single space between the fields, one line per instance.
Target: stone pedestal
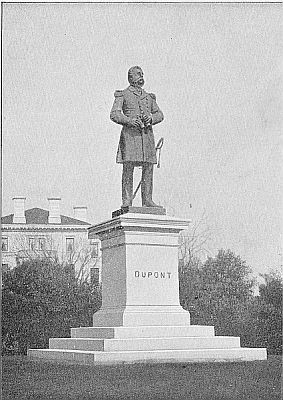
pixel 140 284
pixel 141 318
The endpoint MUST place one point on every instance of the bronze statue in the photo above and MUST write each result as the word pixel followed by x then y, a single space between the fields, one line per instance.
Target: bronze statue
pixel 137 111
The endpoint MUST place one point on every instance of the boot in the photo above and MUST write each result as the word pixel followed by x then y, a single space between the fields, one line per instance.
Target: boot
pixel 147 186
pixel 127 184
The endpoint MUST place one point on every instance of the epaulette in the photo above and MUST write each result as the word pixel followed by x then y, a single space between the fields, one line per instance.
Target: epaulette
pixel 152 95
pixel 118 93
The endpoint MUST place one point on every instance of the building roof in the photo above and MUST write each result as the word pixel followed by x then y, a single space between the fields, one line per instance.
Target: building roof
pixel 38 216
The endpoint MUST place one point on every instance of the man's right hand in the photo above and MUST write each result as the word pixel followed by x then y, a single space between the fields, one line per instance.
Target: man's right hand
pixel 135 123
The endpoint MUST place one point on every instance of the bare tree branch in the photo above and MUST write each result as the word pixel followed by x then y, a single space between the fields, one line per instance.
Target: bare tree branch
pixel 80 258
pixel 193 242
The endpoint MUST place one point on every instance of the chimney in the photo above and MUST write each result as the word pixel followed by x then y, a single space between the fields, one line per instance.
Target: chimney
pixel 19 210
pixel 80 213
pixel 54 210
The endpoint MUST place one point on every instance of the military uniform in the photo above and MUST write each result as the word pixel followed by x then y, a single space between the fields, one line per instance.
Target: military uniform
pixel 136 145
pixel 131 109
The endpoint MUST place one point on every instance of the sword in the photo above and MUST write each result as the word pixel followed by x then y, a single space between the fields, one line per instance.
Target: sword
pixel 158 148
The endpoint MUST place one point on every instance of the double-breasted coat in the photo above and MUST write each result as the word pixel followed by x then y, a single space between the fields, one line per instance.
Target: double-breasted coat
pixel 136 145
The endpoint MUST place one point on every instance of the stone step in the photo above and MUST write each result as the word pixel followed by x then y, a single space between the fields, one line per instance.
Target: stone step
pixel 145 344
pixel 161 356
pixel 122 332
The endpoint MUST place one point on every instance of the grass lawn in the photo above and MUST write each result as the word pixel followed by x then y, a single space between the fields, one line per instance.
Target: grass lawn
pixel 24 379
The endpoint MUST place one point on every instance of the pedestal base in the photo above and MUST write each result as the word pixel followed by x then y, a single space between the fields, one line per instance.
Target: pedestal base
pixel 140 316
pixel 151 344
pixel 164 356
pixel 141 319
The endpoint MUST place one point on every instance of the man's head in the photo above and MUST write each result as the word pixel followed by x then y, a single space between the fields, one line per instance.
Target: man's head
pixel 135 76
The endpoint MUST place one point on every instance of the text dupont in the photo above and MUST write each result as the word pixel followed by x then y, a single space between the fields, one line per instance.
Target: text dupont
pixel 150 274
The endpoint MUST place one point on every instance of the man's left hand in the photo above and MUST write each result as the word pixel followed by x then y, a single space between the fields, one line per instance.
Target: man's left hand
pixel 147 120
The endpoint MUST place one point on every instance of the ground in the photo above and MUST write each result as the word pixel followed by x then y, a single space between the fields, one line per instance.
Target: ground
pixel 25 379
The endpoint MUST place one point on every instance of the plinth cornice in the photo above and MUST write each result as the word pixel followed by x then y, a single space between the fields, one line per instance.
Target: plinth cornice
pixel 140 222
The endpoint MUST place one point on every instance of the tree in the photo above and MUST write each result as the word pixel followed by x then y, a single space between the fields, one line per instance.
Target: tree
pixel 80 257
pixel 193 243
pixel 218 292
pixel 271 290
pixel 42 299
pixel 268 312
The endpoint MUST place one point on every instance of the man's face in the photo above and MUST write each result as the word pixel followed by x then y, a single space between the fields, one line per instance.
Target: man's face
pixel 138 78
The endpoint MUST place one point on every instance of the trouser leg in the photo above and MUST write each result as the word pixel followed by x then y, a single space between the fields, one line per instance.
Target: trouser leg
pixel 147 185
pixel 127 184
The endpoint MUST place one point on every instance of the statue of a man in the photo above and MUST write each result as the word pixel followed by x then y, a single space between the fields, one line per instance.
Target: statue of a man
pixel 136 110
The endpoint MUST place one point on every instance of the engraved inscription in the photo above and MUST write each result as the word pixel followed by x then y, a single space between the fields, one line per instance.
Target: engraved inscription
pixel 153 274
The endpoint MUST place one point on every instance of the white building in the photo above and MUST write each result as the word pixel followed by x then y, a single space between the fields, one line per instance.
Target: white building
pixel 37 232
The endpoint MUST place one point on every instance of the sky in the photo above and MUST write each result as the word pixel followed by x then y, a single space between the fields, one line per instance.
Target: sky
pixel 216 70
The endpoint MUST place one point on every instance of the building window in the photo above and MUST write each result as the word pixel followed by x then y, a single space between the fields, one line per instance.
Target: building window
pixel 70 245
pixel 94 248
pixel 94 276
pixel 41 243
pixel 5 268
pixel 5 246
pixel 31 243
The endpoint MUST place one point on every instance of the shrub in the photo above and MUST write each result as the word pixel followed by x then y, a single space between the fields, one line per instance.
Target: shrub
pixel 41 299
